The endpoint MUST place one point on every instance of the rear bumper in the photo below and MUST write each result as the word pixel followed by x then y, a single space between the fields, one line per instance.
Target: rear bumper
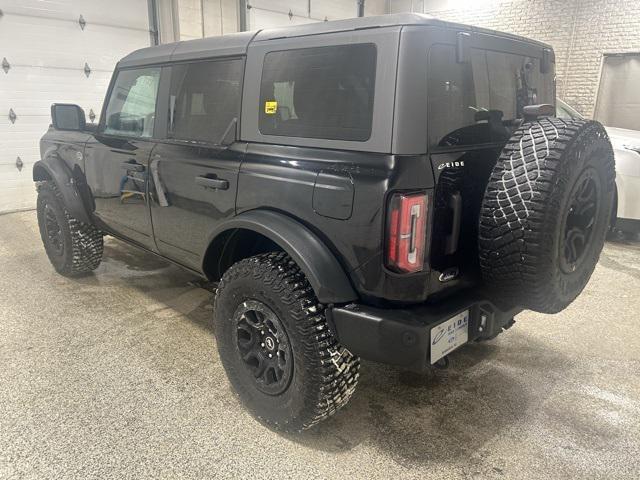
pixel 402 336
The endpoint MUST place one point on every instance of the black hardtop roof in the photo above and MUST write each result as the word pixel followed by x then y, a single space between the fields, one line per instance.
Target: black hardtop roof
pixel 237 43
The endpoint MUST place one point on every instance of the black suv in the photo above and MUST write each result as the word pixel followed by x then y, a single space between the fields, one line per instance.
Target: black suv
pixel 385 187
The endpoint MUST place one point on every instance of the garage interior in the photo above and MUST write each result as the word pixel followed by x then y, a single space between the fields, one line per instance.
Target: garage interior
pixel 116 375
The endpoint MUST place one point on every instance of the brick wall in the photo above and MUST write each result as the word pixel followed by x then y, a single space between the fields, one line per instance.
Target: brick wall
pixel 579 30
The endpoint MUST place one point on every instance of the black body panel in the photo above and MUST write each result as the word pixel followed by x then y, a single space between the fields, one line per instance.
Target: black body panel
pixel 193 190
pixel 288 179
pixel 117 173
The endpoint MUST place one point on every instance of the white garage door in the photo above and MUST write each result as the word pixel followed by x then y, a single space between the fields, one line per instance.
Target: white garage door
pixel 44 48
pixel 618 103
pixel 277 13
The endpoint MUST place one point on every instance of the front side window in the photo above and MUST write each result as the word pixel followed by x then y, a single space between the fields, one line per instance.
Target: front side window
pixel 204 100
pixel 321 92
pixel 132 104
pixel 480 101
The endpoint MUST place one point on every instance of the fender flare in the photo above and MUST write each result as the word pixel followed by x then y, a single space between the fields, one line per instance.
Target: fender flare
pixel 54 168
pixel 325 274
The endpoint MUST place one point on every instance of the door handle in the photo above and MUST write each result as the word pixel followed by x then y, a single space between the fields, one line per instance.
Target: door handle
pixel 214 183
pixel 136 167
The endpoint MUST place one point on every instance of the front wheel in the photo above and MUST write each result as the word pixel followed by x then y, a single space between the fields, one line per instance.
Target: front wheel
pixel 74 248
pixel 282 359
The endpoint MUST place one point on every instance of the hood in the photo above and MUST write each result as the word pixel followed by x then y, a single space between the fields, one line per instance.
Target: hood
pixel 621 137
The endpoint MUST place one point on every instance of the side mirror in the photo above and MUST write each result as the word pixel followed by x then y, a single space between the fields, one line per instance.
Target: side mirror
pixel 67 116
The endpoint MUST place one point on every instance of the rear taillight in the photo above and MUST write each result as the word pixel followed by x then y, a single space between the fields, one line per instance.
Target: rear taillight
pixel 406 232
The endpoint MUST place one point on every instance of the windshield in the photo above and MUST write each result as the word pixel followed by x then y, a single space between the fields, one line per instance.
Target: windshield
pixel 563 110
pixel 482 100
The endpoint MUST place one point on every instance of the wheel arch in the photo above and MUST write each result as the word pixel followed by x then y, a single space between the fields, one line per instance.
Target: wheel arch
pixel 54 169
pixel 260 231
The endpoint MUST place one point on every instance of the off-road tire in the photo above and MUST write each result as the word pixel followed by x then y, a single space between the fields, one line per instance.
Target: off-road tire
pixel 526 207
pixel 81 244
pixel 324 374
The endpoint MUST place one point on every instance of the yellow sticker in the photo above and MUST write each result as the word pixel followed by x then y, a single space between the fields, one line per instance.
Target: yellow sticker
pixel 270 107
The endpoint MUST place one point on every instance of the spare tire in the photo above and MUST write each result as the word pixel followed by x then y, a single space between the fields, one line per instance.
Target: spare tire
pixel 545 213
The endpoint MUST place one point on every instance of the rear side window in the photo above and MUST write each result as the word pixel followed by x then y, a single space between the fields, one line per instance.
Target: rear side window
pixel 204 99
pixel 322 92
pixel 480 101
pixel 132 104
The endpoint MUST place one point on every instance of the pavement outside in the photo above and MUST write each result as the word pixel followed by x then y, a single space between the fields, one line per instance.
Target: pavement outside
pixel 116 375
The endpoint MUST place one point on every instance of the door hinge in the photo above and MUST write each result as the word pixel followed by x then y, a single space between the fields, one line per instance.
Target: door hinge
pixel 12 115
pixel 19 164
pixel 87 69
pixel 6 66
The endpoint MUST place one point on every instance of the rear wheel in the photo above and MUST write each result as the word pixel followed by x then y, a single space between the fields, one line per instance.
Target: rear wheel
pixel 276 346
pixel 546 212
pixel 73 247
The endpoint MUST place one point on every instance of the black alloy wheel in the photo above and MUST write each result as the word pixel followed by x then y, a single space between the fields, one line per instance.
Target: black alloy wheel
pixel 53 231
pixel 579 220
pixel 277 349
pixel 263 346
pixel 73 247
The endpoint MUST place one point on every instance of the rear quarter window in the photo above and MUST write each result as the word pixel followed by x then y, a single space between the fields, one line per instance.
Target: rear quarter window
pixel 320 92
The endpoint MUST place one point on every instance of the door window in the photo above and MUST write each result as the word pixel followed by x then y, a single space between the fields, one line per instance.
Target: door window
pixel 321 92
pixel 204 100
pixel 132 104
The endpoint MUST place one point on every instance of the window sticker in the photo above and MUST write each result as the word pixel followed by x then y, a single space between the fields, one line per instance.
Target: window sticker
pixel 270 107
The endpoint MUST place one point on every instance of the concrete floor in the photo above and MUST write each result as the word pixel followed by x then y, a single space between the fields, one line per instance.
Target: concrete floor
pixel 116 375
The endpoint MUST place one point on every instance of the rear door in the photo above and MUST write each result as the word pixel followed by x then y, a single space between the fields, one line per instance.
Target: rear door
pixel 194 169
pixel 474 105
pixel 118 155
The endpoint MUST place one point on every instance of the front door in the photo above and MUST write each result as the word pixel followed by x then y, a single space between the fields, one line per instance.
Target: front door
pixel 117 158
pixel 194 170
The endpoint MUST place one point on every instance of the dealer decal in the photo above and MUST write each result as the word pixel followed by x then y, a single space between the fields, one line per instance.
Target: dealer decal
pixel 270 107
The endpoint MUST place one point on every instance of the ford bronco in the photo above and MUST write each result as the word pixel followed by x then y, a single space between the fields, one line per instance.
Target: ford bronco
pixel 387 188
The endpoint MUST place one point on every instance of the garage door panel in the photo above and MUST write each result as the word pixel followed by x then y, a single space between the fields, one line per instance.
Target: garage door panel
pixel 297 7
pixel 62 44
pixel 266 19
pixel 27 155
pixel 17 190
pixel 31 91
pixel 93 11
pixel 618 102
pixel 10 176
pixel 333 9
pixel 47 51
